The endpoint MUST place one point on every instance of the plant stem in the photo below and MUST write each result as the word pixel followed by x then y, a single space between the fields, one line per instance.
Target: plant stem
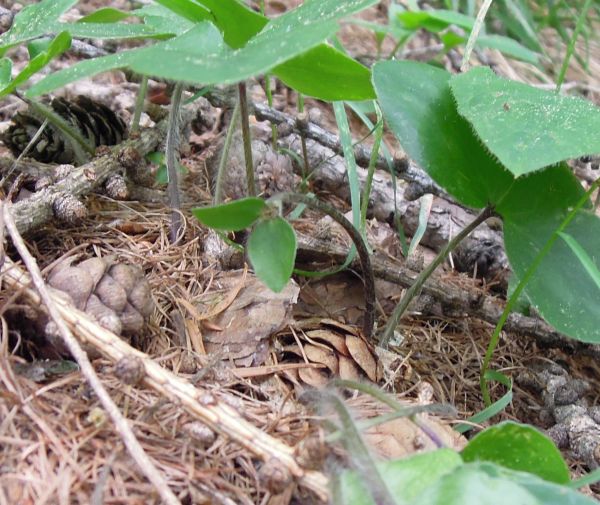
pixel 571 46
pixel 222 170
pixel 243 100
pixel 425 274
pixel 172 165
pixel 464 66
pixel 139 104
pixel 366 196
pixel 361 248
pixel 519 289
pixel 269 95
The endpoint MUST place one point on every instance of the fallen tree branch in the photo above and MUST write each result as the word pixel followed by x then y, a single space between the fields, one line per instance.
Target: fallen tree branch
pixel 202 404
pixel 135 449
pixel 457 299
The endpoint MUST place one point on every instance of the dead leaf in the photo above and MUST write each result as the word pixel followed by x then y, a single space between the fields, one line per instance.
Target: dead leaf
pixel 360 352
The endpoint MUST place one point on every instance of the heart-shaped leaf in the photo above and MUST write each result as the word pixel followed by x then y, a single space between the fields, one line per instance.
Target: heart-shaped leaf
pixel 420 109
pixel 525 127
pixel 272 252
pixel 518 447
pixel 233 216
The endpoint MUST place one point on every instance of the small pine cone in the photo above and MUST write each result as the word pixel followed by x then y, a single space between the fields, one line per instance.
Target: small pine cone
pixel 116 187
pixel 115 294
pixel 69 209
pixel 96 122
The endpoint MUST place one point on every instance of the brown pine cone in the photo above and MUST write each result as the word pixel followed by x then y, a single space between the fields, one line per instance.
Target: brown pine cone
pixel 96 122
pixel 115 294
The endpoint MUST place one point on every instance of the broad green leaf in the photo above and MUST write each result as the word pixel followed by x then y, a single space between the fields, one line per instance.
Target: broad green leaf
pixel 419 107
pixel 583 257
pixel 105 15
pixel 327 73
pixel 508 46
pixel 200 55
pixel 469 485
pixel 435 20
pixel 60 44
pixel 405 478
pixel 547 493
pixel 5 71
pixel 272 252
pixel 518 447
pixel 237 22
pixel 525 127
pixel 34 21
pixel 233 216
pixel 561 289
pixel 107 30
pixel 187 9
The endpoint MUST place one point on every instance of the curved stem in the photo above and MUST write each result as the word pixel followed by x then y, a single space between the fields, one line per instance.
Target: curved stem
pixel 519 289
pixel 243 101
pixel 361 248
pixel 222 169
pixel 425 274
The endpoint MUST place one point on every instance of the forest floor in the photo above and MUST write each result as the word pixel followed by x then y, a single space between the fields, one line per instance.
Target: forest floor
pixel 214 326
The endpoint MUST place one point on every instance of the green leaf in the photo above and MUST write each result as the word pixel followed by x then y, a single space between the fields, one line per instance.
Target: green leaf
pixel 518 447
pixel 405 478
pixel 163 20
pixel 200 55
pixel 272 252
pixel 105 15
pixel 5 71
pixel 525 127
pixel 419 107
pixel 508 46
pixel 470 485
pixel 328 74
pixel 583 257
pixel 38 46
pixel 187 9
pixel 34 21
pixel 546 493
pixel 237 22
pixel 59 45
pixel 108 30
pixel 435 20
pixel 233 216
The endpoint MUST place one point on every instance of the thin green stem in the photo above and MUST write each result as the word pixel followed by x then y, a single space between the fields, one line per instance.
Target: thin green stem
pixel 359 243
pixel 222 170
pixel 366 196
pixel 485 393
pixel 571 46
pixel 243 101
pixel 425 274
pixel 464 66
pixel 269 95
pixel 172 165
pixel 139 104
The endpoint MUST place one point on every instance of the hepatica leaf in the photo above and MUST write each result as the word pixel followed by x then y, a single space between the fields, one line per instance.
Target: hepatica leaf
pixel 518 447
pixel 525 127
pixel 233 216
pixel 272 252
pixel 420 109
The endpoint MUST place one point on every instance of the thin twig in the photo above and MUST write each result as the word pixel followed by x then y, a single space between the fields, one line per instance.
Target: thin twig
pixel 243 100
pixel 361 248
pixel 425 274
pixel 133 446
pixel 139 104
pixel 172 165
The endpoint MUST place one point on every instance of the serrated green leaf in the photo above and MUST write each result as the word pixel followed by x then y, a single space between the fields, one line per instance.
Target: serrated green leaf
pixel 419 107
pixel 105 15
pixel 233 216
pixel 525 127
pixel 328 74
pixel 272 252
pixel 405 478
pixel 518 447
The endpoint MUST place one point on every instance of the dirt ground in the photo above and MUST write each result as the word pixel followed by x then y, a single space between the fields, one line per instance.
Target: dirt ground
pixel 256 355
